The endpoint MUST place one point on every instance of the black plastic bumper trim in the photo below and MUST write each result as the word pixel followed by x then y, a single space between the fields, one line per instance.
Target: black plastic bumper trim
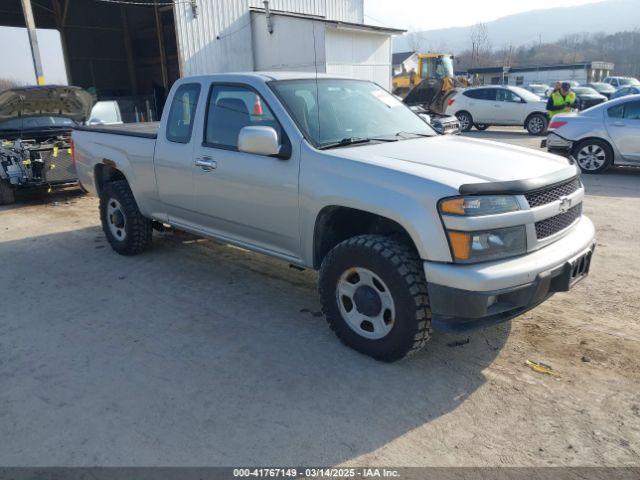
pixel 455 310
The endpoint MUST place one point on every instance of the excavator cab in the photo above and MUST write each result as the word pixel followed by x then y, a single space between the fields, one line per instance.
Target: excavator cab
pixel 434 65
pixel 436 82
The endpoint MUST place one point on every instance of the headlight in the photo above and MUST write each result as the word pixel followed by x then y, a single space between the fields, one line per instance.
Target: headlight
pixel 469 247
pixel 480 205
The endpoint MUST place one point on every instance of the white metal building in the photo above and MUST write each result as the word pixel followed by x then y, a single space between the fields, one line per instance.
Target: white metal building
pixel 579 72
pixel 133 50
pixel 241 35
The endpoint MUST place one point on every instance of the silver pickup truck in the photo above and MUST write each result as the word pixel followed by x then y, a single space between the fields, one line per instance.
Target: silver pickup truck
pixel 409 229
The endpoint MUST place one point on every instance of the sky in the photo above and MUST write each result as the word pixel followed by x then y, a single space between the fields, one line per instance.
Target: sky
pixel 436 14
pixel 16 60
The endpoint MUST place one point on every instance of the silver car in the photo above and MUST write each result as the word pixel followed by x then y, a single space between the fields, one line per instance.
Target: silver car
pixel 599 136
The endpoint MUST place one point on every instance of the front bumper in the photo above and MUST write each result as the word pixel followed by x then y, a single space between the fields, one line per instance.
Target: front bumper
pixel 466 297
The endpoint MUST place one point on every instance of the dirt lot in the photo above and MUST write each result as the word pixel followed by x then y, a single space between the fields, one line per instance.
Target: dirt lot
pixel 200 354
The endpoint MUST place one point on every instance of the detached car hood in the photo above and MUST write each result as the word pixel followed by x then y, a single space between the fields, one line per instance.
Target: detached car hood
pixel 455 161
pixel 64 101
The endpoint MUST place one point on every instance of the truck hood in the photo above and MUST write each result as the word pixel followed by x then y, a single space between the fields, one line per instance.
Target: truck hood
pixel 64 101
pixel 455 161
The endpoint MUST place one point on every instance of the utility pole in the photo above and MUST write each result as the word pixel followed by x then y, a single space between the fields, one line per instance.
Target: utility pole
pixel 33 41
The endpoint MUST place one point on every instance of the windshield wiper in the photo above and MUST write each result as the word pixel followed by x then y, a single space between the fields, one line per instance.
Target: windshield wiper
pixel 344 142
pixel 413 133
pixel 355 141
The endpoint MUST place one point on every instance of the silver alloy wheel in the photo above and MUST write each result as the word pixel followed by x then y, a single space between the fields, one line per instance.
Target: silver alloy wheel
pixel 536 125
pixel 366 303
pixel 465 122
pixel 116 219
pixel 591 157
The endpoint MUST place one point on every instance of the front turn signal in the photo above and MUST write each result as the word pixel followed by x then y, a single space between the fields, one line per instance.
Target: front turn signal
pixel 460 245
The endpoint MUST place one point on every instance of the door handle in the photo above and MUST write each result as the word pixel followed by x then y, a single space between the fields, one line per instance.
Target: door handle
pixel 619 124
pixel 206 163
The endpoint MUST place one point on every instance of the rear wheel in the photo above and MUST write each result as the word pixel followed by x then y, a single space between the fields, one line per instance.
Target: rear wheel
pixel 481 126
pixel 374 297
pixel 536 124
pixel 466 121
pixel 7 195
pixel 127 231
pixel 593 156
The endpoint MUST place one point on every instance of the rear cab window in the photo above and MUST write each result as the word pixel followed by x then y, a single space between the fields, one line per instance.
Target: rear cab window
pixel 182 113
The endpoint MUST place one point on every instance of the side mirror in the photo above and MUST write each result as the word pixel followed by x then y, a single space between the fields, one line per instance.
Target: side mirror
pixel 258 140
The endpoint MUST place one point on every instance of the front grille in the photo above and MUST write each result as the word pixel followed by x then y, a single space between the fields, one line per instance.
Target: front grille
pixel 549 226
pixel 58 168
pixel 551 194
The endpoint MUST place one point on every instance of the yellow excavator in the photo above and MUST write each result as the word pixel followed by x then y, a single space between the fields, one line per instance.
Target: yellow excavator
pixel 427 90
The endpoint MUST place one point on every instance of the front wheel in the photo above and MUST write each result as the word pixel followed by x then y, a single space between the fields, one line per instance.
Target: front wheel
pixel 466 121
pixel 374 296
pixel 593 156
pixel 536 124
pixel 127 231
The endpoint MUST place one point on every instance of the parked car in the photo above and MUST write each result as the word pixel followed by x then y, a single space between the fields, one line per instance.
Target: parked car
pixel 602 88
pixel 597 138
pixel 618 82
pixel 35 133
pixel 105 112
pixel 409 229
pixel 587 97
pixel 539 89
pixel 498 105
pixel 624 91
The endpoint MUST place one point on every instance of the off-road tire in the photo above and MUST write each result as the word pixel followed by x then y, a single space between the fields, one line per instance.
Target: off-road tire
pixel 466 120
pixel 536 124
pixel 596 144
pixel 138 229
pixel 399 266
pixel 7 195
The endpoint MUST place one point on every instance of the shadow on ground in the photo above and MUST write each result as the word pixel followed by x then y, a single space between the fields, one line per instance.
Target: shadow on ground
pixel 40 196
pixel 615 182
pixel 198 354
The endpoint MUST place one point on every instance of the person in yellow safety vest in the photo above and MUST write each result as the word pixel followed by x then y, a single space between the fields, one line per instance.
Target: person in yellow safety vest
pixel 561 101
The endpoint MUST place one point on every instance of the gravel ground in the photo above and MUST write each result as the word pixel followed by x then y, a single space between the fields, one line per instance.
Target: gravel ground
pixel 197 354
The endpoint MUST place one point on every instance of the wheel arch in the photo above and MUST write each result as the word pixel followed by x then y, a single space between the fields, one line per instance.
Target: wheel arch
pixel 107 171
pixel 336 223
pixel 574 150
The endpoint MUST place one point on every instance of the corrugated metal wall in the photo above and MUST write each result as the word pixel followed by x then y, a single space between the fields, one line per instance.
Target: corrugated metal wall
pixel 218 39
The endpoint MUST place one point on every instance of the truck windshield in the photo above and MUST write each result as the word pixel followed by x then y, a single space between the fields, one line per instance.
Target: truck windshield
pixel 335 112
pixel 36 122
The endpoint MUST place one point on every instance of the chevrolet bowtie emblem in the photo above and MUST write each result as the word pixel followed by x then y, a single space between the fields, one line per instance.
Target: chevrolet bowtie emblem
pixel 565 204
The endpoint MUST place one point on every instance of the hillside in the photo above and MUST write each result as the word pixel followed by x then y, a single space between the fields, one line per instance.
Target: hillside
pixel 535 26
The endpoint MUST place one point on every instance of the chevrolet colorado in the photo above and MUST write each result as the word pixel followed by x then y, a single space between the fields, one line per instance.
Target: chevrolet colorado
pixel 409 229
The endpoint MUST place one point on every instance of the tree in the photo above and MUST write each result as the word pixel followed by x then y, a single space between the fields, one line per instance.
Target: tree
pixel 416 40
pixel 480 43
pixel 7 83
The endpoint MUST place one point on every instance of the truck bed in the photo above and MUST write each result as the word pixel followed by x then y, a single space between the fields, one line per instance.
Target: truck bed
pixel 143 130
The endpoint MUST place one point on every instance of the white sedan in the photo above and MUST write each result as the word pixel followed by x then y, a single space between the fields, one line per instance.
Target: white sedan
pixel 600 136
pixel 498 105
